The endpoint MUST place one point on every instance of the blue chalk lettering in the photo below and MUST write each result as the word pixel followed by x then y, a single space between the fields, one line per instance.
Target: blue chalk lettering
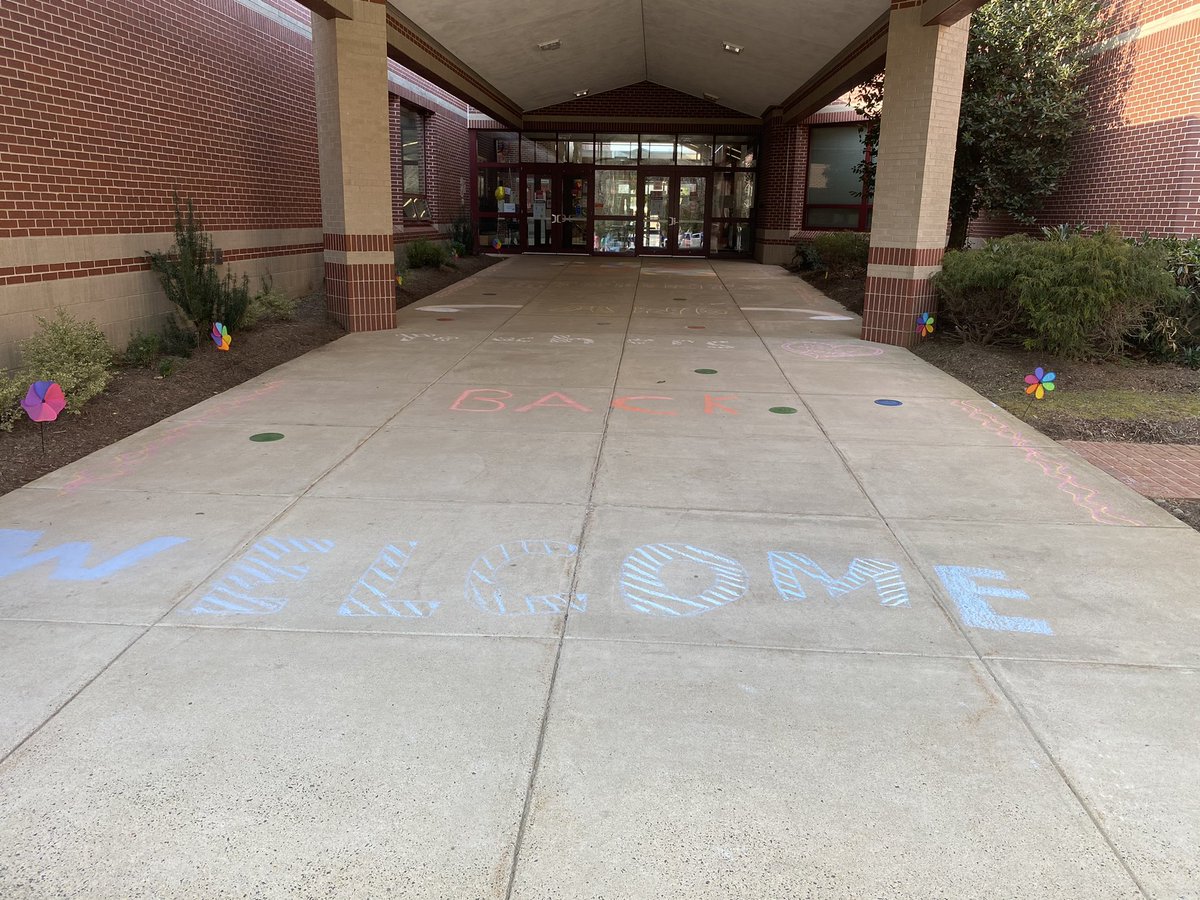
pixel 787 569
pixel 374 592
pixel 237 592
pixel 644 591
pixel 973 608
pixel 484 585
pixel 70 559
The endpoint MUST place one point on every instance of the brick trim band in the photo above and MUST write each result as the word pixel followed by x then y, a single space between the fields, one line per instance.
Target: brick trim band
pixel 358 243
pixel 905 256
pixel 93 267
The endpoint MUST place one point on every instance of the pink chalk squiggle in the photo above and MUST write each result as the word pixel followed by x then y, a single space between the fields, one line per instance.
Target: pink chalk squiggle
pixel 124 463
pixel 1081 495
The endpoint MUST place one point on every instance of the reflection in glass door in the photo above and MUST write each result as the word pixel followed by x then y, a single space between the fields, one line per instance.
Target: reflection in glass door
pixel 539 211
pixel 692 196
pixel 673 213
pixel 575 220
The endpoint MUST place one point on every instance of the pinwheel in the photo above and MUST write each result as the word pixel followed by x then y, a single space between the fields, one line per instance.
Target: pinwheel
pixel 43 402
pixel 220 336
pixel 1040 383
pixel 924 324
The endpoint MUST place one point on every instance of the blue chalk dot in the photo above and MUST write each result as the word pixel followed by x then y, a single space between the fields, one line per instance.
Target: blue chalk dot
pixel 889 403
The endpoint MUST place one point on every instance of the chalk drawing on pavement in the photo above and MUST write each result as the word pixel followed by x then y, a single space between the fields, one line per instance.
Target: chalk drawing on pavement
pixel 645 572
pixel 788 571
pixel 532 561
pixel 251 586
pixel 376 593
pixel 70 559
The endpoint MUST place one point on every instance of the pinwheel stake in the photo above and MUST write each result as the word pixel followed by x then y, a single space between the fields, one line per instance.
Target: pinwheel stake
pixel 220 336
pixel 43 403
pixel 925 324
pixel 1040 383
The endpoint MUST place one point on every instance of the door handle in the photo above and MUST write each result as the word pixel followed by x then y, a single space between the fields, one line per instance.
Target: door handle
pixel 672 221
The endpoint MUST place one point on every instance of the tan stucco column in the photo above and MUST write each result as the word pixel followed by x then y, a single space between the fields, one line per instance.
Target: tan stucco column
pixel 350 59
pixel 918 132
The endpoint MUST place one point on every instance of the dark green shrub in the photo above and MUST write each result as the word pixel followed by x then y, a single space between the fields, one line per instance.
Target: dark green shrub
pixel 166 366
pixel 425 254
pixel 805 259
pixel 975 291
pixel 269 305
pixel 462 233
pixel 1172 327
pixel 177 340
pixel 843 253
pixel 189 276
pixel 1084 296
pixel 143 349
pixel 75 354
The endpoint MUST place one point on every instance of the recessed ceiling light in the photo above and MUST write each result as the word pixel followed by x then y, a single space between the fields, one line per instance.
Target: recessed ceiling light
pixel 582 93
pixel 549 45
pixel 732 48
pixel 711 98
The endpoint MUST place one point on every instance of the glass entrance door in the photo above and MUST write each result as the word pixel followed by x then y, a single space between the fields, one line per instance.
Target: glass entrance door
pixel 574 223
pixel 673 213
pixel 539 211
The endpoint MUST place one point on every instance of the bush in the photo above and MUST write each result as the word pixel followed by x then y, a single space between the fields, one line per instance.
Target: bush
pixel 1173 328
pixel 843 253
pixel 143 349
pixel 177 340
pixel 12 389
pixel 425 254
pixel 1084 296
pixel 269 305
pixel 1075 295
pixel 189 276
pixel 75 354
pixel 462 232
pixel 975 291
pixel 805 259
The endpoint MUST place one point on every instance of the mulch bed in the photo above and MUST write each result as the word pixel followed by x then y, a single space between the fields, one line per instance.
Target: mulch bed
pixel 137 398
pixel 1184 510
pixel 848 290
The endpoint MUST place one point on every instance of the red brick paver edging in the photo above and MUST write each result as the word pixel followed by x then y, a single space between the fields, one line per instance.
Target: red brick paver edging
pixel 1153 470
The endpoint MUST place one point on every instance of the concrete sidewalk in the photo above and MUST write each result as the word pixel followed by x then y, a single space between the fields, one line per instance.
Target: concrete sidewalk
pixel 598 579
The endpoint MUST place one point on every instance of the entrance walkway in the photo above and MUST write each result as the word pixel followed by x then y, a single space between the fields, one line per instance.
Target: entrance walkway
pixel 597 579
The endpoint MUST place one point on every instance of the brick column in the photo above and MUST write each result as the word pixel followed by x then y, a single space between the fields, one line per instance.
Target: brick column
pixel 918 132
pixel 350 59
pixel 780 186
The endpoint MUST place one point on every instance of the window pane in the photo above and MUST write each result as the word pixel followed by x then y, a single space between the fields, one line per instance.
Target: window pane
pixel 831 218
pixel 731 237
pixel 496 233
pixel 616 149
pixel 416 208
pixel 658 150
pixel 733 195
pixel 412 179
pixel 576 148
pixel 833 154
pixel 496 146
pixel 498 190
pixel 616 192
pixel 538 148
pixel 412 136
pixel 694 151
pixel 736 151
pixel 616 236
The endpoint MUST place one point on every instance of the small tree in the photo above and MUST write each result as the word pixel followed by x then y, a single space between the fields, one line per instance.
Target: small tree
pixel 190 280
pixel 1023 102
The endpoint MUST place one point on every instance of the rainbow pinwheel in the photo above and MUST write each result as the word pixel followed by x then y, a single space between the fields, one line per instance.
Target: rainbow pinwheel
pixel 44 401
pixel 924 324
pixel 1040 383
pixel 496 245
pixel 220 336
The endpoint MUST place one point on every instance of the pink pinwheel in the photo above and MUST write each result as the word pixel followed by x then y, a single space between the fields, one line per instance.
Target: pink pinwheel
pixel 44 401
pixel 1040 382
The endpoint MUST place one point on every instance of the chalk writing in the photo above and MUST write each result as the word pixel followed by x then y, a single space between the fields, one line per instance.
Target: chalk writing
pixel 644 588
pixel 788 568
pixel 570 339
pixel 485 580
pixel 70 559
pixel 832 349
pixel 971 599
pixel 268 562
pixel 406 337
pixel 374 592
pixel 816 315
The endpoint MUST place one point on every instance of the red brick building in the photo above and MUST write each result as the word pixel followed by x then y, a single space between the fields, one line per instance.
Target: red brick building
pixel 106 108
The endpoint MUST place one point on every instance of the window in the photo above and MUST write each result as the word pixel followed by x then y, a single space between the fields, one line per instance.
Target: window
pixel 836 198
pixel 412 162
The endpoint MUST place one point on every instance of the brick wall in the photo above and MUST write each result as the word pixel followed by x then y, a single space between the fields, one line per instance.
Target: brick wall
pixel 107 107
pixel 1139 166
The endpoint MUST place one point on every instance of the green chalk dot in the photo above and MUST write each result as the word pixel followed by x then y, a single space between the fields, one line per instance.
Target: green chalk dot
pixel 783 410
pixel 706 371
pixel 266 436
